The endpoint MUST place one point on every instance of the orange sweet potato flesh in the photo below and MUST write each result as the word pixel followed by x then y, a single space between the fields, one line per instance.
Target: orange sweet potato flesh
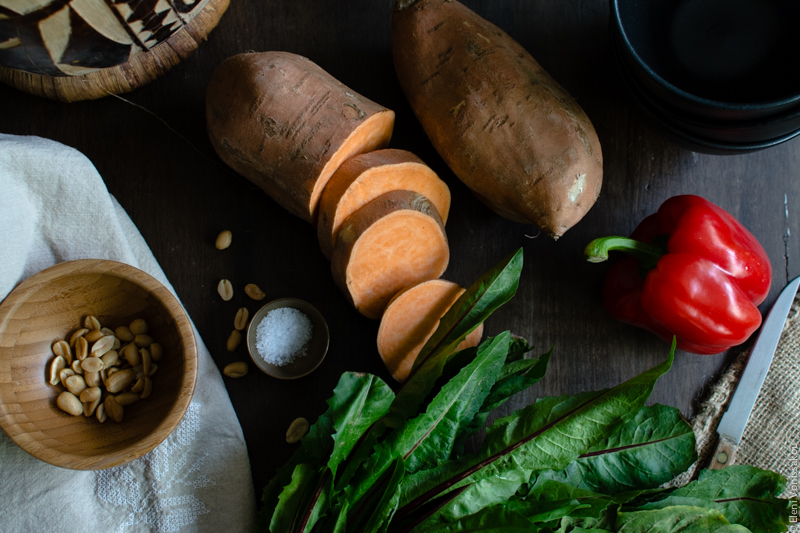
pixel 411 318
pixel 285 124
pixel 507 129
pixel 367 176
pixel 394 241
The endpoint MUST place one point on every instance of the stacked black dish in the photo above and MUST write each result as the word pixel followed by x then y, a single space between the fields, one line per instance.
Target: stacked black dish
pixel 714 76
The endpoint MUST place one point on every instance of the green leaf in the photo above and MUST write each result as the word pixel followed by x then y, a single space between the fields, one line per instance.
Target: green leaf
pixel 514 378
pixel 647 451
pixel 679 518
pixel 357 402
pixel 474 306
pixel 293 495
pixel 743 494
pixel 428 439
pixel 362 400
pixel 549 434
pixel 493 519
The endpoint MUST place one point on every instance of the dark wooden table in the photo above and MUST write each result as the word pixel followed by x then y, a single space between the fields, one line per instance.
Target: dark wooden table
pixel 152 149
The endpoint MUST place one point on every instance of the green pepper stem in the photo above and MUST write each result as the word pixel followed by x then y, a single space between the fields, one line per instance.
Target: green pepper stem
pixel 597 250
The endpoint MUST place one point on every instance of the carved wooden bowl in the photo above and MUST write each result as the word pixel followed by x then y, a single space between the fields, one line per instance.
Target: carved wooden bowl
pixel 51 305
pixel 85 49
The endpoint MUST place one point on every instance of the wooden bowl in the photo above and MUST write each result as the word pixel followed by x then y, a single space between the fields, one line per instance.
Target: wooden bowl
pixel 316 350
pixel 50 306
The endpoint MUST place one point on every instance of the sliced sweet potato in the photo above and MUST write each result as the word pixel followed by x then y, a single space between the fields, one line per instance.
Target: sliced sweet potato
pixel 394 241
pixel 411 318
pixel 285 124
pixel 506 128
pixel 367 176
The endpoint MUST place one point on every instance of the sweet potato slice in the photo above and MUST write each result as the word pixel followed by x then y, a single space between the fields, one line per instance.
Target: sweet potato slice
pixel 507 129
pixel 367 176
pixel 285 124
pixel 394 241
pixel 411 318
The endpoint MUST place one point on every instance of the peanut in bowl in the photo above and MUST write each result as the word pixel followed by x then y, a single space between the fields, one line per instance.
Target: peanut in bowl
pixel 51 306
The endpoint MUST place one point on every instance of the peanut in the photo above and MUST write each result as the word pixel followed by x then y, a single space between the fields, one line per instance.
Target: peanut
pixel 240 322
pixel 297 430
pixel 69 403
pixel 143 341
pixel 236 370
pixel 113 409
pixel 127 398
pixel 100 413
pixel 139 327
pixel 75 384
pixel 63 349
pixel 234 340
pixel 119 381
pixel 156 351
pixel 223 240
pixel 94 335
pixel 81 348
pixel 254 291
pixel 78 334
pixel 225 289
pixel 56 367
pixel 91 322
pixel 124 334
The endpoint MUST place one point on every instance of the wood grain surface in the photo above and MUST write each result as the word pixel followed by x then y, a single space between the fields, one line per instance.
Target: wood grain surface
pixel 152 150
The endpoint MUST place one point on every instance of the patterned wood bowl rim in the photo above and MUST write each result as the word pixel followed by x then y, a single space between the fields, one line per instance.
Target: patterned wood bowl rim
pixel 138 71
pixel 28 413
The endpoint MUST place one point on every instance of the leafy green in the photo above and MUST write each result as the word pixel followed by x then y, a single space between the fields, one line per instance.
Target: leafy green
pixel 474 306
pixel 649 450
pixel 380 462
pixel 679 518
pixel 743 494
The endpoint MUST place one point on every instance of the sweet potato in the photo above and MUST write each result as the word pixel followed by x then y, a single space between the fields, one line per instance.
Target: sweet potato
pixel 411 318
pixel 501 123
pixel 394 241
pixel 367 176
pixel 285 124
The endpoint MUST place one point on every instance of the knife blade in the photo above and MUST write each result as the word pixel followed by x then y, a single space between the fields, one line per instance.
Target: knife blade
pixel 731 427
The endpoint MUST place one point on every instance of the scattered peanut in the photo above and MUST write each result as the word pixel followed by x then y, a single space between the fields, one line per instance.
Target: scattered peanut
pixel 91 394
pixel 90 407
pixel 147 390
pixel 223 240
pixel 254 292
pixel 240 322
pixel 297 430
pixel 92 379
pixel 234 340
pixel 131 354
pixel 69 403
pixel 236 370
pixel 119 381
pixel 76 367
pixel 225 289
pixel 64 374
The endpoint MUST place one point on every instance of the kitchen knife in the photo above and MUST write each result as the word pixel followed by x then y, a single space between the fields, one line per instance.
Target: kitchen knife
pixel 733 422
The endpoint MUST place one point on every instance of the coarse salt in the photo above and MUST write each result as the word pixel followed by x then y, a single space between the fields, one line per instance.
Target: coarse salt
pixel 283 335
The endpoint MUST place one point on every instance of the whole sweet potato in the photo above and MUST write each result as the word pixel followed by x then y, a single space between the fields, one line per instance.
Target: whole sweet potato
pixel 501 123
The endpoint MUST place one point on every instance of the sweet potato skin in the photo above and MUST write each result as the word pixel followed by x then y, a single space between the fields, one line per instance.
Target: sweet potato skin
pixel 509 131
pixel 279 119
pixel 363 166
pixel 362 221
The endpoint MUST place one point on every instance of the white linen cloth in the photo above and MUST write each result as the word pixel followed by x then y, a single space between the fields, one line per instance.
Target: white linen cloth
pixel 198 479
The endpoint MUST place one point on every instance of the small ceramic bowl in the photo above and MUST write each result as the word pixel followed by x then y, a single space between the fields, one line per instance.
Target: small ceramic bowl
pixel 316 349
pixel 715 59
pixel 51 305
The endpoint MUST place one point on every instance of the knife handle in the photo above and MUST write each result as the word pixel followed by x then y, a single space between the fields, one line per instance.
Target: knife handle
pixel 724 454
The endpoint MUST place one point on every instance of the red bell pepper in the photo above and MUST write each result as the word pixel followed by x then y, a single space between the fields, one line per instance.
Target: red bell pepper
pixel 694 272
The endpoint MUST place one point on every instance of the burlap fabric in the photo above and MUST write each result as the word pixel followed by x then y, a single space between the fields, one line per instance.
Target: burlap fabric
pixel 771 439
